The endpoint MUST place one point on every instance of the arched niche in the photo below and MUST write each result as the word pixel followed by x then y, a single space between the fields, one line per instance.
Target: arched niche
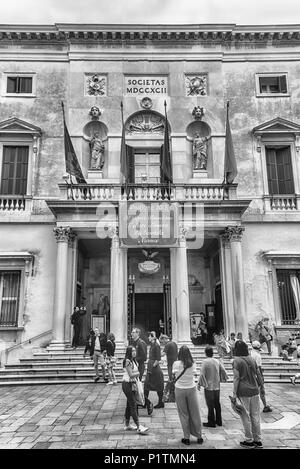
pixel 204 130
pixel 89 130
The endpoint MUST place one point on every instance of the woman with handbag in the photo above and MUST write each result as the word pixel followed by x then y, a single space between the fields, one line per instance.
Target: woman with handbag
pixel 131 373
pixel 186 397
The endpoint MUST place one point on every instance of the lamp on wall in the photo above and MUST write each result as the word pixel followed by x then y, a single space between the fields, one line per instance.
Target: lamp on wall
pixel 131 278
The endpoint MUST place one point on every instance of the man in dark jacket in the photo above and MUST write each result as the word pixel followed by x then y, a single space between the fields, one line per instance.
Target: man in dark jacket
pixel 141 350
pixel 171 352
pixel 76 320
pixel 98 352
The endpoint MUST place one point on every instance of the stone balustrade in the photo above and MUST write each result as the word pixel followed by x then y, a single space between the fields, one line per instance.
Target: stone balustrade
pixel 283 202
pixel 145 192
pixel 12 202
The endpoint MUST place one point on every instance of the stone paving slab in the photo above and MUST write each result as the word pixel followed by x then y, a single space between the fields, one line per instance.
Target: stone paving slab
pixel 90 416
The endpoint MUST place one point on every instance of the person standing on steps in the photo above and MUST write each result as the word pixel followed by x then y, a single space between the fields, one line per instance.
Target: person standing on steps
pixel 210 374
pixel 141 350
pixel 110 358
pixel 76 320
pixel 98 352
pixel 154 377
pixel 255 353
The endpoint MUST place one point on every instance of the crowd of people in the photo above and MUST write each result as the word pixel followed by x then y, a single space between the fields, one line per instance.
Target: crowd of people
pixel 248 380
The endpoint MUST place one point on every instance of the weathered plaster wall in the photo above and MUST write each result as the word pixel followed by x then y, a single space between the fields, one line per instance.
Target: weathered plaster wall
pixel 44 111
pixel 256 239
pixel 38 306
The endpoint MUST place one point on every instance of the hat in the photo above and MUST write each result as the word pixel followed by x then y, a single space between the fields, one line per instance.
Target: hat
pixel 256 344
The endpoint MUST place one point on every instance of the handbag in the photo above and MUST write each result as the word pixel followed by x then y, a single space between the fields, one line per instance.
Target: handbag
pixel 138 391
pixel 169 391
pixel 236 407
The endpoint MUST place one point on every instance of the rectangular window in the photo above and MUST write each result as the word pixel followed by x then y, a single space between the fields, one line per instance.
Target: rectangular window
pixel 19 85
pixel 9 297
pixel 272 84
pixel 147 166
pixel 279 168
pixel 14 170
pixel 289 288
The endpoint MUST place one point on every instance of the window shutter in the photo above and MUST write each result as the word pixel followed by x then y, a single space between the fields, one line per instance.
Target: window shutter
pixel 282 84
pixel 14 170
pixel 272 171
pixel 130 159
pixel 285 172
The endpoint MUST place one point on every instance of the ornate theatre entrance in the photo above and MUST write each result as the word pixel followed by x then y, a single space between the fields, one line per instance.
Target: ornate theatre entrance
pixel 149 309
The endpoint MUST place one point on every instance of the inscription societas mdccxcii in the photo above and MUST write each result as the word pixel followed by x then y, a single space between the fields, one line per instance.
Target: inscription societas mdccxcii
pixel 146 85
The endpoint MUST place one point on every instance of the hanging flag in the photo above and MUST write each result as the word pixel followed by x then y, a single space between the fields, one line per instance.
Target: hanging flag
pixel 72 164
pixel 230 169
pixel 166 165
pixel 126 157
pixel 123 153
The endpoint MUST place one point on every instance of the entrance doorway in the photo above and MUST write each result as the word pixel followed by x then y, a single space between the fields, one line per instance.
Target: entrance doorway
pixel 149 309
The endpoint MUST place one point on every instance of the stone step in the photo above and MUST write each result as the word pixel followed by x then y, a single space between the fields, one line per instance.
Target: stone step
pixel 81 380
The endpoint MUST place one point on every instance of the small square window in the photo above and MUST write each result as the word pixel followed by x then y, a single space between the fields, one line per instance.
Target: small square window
pixel 270 85
pixel 19 84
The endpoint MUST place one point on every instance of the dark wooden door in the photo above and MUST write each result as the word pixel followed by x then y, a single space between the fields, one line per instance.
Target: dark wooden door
pixel 149 309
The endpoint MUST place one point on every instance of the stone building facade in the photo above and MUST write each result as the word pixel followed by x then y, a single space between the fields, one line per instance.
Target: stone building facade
pixel 237 260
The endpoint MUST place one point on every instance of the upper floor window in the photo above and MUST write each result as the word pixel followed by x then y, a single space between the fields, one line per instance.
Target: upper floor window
pixel 147 166
pixel 279 169
pixel 14 170
pixel 19 84
pixel 271 84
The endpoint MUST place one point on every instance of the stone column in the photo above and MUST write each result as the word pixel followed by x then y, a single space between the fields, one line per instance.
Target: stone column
pixel 182 292
pixel 71 282
pixel 226 279
pixel 234 236
pixel 173 294
pixel 118 285
pixel 62 235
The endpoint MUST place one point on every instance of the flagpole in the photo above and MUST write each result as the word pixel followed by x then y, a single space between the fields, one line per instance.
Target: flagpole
pixel 227 112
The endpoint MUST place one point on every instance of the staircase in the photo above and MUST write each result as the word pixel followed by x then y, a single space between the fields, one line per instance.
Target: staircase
pixel 68 366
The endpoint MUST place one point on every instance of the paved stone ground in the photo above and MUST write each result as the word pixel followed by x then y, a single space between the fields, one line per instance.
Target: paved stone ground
pixel 91 416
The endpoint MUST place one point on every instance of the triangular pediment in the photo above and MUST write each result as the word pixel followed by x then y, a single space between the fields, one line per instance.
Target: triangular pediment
pixel 277 125
pixel 15 125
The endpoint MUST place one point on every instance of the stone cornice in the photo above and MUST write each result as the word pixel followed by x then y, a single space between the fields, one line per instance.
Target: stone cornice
pixel 216 33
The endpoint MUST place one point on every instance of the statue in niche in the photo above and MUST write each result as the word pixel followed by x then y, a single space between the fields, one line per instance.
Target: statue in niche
pixel 200 152
pixel 97 152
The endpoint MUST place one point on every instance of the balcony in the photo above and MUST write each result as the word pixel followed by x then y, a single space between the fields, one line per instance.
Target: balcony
pixel 13 203
pixel 148 192
pixel 282 202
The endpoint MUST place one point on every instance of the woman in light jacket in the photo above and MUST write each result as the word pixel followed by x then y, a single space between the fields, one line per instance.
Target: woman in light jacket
pixel 130 372
pixel 186 396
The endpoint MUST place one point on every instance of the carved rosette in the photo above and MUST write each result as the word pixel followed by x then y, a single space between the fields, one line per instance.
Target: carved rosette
pixel 62 234
pixel 233 233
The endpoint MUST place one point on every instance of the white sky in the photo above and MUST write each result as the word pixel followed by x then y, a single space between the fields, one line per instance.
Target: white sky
pixel 150 11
